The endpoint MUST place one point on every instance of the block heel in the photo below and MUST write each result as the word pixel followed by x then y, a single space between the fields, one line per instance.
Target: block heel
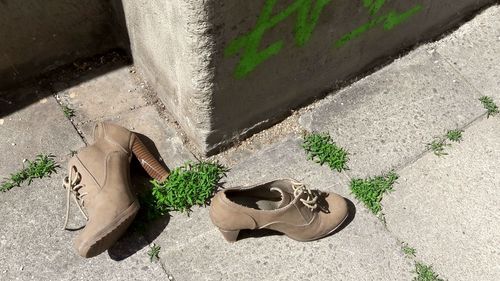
pixel 152 166
pixel 230 235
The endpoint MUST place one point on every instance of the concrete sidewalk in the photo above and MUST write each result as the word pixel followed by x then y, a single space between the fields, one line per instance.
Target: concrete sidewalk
pixel 447 208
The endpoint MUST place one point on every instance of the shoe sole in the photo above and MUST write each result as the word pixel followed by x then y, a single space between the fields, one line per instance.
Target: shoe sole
pixel 232 235
pixel 107 237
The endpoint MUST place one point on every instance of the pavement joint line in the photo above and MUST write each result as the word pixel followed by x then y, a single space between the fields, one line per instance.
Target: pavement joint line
pixel 69 119
pixel 405 165
pixel 418 157
pixel 426 151
pixel 385 224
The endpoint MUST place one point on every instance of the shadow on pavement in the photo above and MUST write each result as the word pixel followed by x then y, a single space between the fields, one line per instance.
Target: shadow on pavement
pixel 65 77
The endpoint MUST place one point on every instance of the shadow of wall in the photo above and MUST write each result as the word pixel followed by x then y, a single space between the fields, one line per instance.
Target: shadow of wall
pixel 40 37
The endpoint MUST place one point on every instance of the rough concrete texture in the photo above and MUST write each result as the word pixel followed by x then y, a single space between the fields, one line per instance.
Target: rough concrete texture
pixel 106 95
pixel 386 119
pixel 226 69
pixel 117 97
pixel 171 47
pixel 362 250
pixel 32 242
pixel 454 206
pixel 38 36
pixel 23 134
pixel 476 55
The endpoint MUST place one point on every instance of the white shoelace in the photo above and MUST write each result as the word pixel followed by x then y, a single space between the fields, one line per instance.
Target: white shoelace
pixel 310 201
pixel 72 184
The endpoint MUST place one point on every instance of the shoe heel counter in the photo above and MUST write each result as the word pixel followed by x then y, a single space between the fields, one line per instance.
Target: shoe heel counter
pixel 114 134
pixel 227 218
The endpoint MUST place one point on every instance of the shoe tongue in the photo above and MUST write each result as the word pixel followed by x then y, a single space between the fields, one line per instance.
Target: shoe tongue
pixel 285 197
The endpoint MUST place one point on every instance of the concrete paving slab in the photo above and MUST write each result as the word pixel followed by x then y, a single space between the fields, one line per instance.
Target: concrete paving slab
pixel 362 250
pixel 32 242
pixel 147 121
pixel 116 96
pixel 386 119
pixel 34 246
pixel 38 128
pixel 474 50
pixel 448 207
pixel 107 95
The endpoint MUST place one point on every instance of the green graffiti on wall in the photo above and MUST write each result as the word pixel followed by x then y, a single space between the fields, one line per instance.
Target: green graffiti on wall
pixel 373 5
pixel 248 45
pixel 388 21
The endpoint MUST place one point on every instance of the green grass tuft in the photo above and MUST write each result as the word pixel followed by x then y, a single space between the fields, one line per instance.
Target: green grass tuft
pixel 425 273
pixel 43 166
pixel 150 208
pixel 370 191
pixel 189 185
pixel 321 149
pixel 409 251
pixel 68 111
pixel 154 252
pixel 437 146
pixel 489 105
pixel 454 135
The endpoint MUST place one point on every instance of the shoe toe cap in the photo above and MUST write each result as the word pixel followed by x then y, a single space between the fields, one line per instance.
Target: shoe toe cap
pixel 336 213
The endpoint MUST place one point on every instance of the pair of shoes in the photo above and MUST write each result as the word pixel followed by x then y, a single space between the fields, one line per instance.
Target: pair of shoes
pixel 284 205
pixel 99 182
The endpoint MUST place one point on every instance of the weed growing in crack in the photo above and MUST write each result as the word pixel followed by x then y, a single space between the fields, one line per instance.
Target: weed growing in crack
pixel 370 191
pixel 454 135
pixel 437 146
pixel 408 251
pixel 189 185
pixel 489 105
pixel 68 111
pixel 321 149
pixel 425 273
pixel 154 252
pixel 42 166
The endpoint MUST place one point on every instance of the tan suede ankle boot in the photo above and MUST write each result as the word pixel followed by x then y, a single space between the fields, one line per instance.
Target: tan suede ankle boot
pixel 283 205
pixel 99 182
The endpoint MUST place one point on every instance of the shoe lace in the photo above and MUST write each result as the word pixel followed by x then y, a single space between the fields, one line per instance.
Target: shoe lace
pixel 310 201
pixel 72 184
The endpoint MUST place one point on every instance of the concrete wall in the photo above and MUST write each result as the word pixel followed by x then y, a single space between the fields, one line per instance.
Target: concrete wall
pixel 226 68
pixel 171 46
pixel 38 35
